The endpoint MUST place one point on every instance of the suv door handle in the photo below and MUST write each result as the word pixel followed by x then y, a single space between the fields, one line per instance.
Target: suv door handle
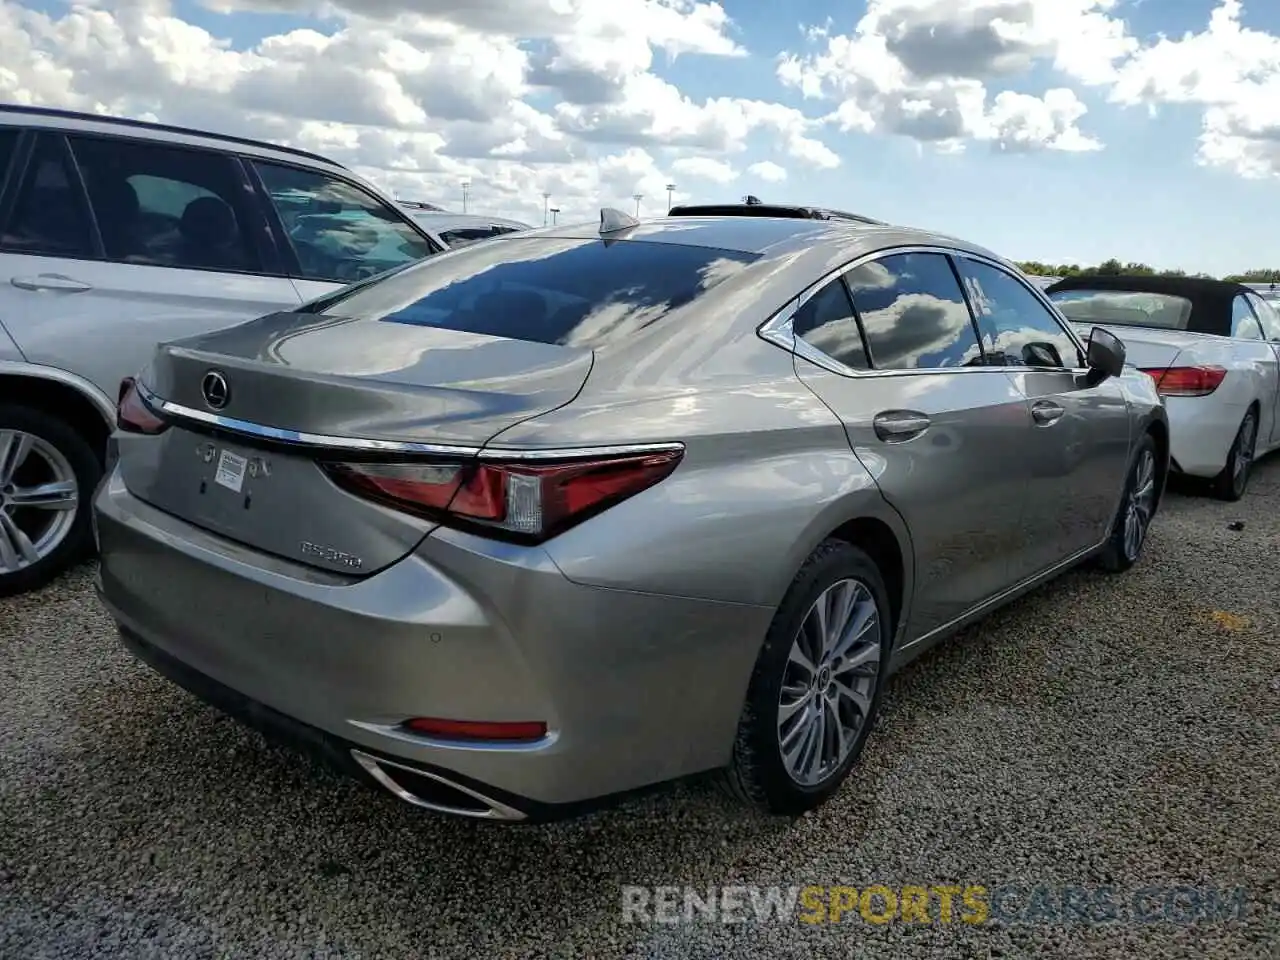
pixel 1046 412
pixel 51 281
pixel 897 426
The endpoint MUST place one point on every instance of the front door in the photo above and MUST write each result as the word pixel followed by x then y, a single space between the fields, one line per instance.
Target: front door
pixel 942 434
pixel 1077 451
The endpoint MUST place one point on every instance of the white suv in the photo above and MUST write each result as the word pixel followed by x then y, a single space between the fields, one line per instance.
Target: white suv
pixel 116 235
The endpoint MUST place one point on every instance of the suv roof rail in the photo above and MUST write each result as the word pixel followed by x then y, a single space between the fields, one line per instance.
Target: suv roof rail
pixel 161 128
pixel 754 208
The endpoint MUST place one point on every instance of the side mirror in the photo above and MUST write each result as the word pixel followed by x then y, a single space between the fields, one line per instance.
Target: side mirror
pixel 1106 353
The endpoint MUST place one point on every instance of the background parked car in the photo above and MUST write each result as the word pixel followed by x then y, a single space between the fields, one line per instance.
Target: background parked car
pixel 115 235
pixel 574 511
pixel 457 229
pixel 1212 346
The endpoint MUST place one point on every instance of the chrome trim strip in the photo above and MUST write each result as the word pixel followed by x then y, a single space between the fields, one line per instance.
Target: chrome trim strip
pixel 363 445
pixel 496 811
pixel 778 331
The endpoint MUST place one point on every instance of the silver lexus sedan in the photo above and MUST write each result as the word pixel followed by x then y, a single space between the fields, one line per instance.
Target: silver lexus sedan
pixel 545 520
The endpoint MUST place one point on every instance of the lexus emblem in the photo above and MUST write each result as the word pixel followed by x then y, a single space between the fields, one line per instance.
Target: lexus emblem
pixel 215 389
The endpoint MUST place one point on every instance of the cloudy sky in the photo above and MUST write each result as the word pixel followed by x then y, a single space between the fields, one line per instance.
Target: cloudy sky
pixel 1046 129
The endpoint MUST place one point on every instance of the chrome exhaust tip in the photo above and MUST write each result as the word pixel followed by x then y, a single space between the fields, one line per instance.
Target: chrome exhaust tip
pixel 428 790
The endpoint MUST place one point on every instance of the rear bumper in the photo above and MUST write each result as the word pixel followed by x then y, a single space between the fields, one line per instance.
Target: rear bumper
pixel 1201 431
pixel 636 689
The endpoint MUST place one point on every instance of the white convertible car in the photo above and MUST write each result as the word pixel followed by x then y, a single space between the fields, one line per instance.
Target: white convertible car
pixel 1213 348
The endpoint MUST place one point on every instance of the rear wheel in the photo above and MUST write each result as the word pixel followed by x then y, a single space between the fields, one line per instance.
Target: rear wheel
pixel 48 473
pixel 816 686
pixel 1230 484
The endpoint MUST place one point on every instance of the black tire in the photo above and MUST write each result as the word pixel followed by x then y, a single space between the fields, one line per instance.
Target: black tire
pixel 87 466
pixel 757 774
pixel 1118 556
pixel 1231 483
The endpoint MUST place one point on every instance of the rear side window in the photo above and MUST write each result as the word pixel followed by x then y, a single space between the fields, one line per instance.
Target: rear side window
pixel 826 322
pixel 8 144
pixel 1124 308
pixel 50 218
pixel 167 207
pixel 913 313
pixel 1244 324
pixel 555 291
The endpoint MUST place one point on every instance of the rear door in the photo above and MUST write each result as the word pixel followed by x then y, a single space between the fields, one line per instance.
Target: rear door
pixel 334 231
pixel 1077 451
pixel 1260 324
pixel 892 350
pixel 111 246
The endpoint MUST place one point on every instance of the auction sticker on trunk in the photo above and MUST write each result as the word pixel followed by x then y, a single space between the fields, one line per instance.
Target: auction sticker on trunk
pixel 231 469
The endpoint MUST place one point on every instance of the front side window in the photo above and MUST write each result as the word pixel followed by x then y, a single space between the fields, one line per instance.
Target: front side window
pixel 1267 316
pixel 49 218
pixel 913 314
pixel 582 293
pixel 827 323
pixel 166 206
pixel 1017 329
pixel 1244 325
pixel 339 232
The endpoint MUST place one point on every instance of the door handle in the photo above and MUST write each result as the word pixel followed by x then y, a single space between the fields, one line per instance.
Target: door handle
pixel 51 281
pixel 896 426
pixel 1046 413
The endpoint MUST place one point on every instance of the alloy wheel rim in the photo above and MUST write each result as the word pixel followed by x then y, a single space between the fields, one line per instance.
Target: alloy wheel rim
pixel 39 497
pixel 829 681
pixel 1141 502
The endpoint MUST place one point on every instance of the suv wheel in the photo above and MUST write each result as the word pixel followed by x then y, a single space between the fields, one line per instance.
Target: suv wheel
pixel 816 687
pixel 48 473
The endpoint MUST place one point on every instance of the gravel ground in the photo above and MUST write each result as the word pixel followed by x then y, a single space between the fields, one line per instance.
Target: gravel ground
pixel 1106 731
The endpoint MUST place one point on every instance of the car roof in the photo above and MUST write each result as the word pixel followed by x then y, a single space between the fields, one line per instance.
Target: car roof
pixel 146 130
pixel 1211 299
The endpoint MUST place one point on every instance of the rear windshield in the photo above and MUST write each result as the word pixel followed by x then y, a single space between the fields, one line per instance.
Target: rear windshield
pixel 571 292
pixel 1124 308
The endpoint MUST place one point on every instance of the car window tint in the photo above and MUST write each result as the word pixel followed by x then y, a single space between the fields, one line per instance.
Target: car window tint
pixel 913 313
pixel 1267 316
pixel 826 322
pixel 339 232
pixel 1017 329
pixel 470 234
pixel 548 290
pixel 8 144
pixel 1243 323
pixel 165 206
pixel 50 217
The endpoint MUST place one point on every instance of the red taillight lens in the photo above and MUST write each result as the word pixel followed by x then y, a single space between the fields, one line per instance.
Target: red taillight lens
pixel 477 729
pixel 1187 381
pixel 132 413
pixel 521 500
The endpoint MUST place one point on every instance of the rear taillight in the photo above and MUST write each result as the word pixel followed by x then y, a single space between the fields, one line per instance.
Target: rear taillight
pixel 133 415
pixel 1187 381
pixel 522 501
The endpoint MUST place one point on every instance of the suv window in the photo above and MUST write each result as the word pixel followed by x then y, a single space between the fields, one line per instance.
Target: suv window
pixel 913 314
pixel 826 322
pixel 1268 317
pixel 554 291
pixel 1017 329
pixel 50 217
pixel 165 206
pixel 8 143
pixel 1243 323
pixel 339 232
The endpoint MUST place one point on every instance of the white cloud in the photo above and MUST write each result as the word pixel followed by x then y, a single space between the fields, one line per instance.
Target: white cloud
pixel 768 171
pixel 922 69
pixel 1230 70
pixel 517 96
pixel 705 168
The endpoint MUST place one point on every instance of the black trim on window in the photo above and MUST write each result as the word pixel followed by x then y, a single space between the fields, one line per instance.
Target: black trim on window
pixel 973 315
pixel 289 265
pixel 76 176
pixel 262 236
pixel 857 319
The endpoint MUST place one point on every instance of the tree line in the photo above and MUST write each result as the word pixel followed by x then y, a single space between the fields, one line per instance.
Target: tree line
pixel 1114 268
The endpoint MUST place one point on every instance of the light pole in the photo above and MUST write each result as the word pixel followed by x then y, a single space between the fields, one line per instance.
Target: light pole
pixel 671 188
pixel 466 189
pixel 546 209
pixel 637 197
pixel 554 211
